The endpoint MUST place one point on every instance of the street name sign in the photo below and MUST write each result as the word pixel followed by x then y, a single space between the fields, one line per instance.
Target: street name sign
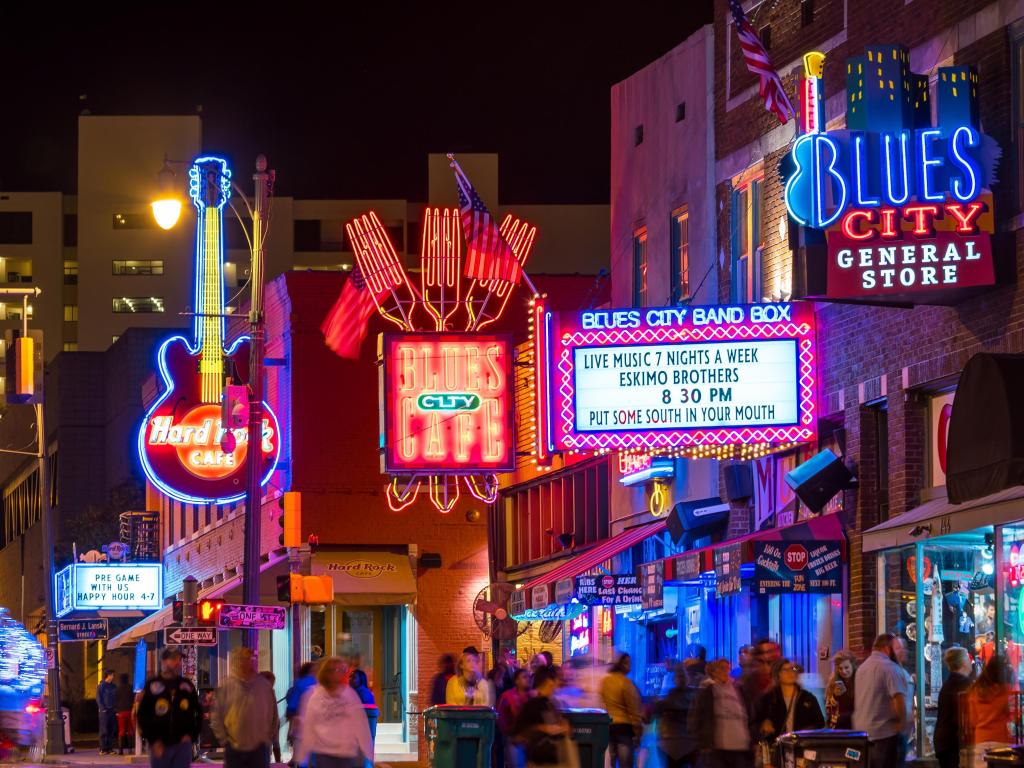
pixel 190 636
pixel 252 617
pixel 76 630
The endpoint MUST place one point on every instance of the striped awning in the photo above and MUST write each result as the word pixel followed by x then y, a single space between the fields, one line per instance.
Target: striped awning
pixel 597 554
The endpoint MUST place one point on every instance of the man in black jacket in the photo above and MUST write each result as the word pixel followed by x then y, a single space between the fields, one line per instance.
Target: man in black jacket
pixel 169 715
pixel 947 723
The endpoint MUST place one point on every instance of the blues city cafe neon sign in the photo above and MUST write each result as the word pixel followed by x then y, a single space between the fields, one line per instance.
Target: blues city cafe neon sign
pixel 904 206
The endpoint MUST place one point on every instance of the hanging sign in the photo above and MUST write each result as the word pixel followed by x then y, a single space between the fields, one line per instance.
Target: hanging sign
pixel 517 602
pixel 905 206
pixel 564 591
pixel 446 403
pixel 728 560
pixel 580 635
pixel 190 636
pixel 789 567
pixel 109 587
pixel 612 589
pixel 678 377
pixel 551 613
pixel 540 596
pixel 652 583
pixel 686 567
pixel 251 616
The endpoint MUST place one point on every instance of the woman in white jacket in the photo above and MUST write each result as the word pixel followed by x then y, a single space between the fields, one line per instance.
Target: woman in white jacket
pixel 335 732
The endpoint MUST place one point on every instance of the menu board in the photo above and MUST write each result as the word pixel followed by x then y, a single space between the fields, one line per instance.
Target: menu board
pixel 728 559
pixel 652 584
pixel 613 589
pixel 797 567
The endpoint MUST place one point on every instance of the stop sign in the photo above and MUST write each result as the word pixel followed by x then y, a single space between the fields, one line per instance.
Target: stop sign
pixel 796 557
pixel 608 582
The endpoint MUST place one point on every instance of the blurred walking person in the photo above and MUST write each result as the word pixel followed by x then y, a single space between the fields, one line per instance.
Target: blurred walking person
pixel 509 706
pixel 124 703
pixel 334 730
pixel 786 707
pixel 839 691
pixel 541 727
pixel 676 743
pixel 276 744
pixel 720 720
pixel 882 701
pixel 622 702
pixel 947 723
pixel 469 688
pixel 245 714
pixel 439 685
pixel 988 710
pixel 305 680
pixel 169 715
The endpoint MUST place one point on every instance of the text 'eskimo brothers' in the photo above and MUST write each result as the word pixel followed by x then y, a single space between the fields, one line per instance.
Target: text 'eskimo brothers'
pixel 906 266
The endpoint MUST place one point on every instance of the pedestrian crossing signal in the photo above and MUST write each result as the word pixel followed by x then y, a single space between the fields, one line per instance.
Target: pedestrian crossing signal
pixel 208 611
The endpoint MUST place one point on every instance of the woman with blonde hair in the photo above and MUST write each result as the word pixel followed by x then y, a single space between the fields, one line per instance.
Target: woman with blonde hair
pixel 839 691
pixel 335 732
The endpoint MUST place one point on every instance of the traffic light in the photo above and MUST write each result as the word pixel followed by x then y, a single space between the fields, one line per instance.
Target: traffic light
pixel 208 611
pixel 289 588
pixel 314 543
pixel 291 519
pixel 318 590
pixel 234 406
pixel 178 612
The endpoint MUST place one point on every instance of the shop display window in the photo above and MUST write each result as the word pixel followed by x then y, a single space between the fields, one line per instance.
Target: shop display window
pixel 1012 587
pixel 955 604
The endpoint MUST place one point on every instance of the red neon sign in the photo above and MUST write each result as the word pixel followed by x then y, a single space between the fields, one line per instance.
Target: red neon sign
pixel 447 403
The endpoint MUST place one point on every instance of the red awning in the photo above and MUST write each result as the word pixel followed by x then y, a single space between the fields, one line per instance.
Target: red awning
pixel 597 554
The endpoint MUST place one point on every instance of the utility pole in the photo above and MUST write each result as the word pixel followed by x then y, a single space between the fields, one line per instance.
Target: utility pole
pixel 254 451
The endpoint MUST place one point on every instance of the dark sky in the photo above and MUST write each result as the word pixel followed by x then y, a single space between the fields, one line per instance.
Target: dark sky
pixel 346 100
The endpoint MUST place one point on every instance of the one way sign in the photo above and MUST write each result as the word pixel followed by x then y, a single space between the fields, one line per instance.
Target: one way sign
pixel 190 636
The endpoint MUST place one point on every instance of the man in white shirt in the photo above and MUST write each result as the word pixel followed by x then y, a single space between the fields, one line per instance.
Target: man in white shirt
pixel 883 696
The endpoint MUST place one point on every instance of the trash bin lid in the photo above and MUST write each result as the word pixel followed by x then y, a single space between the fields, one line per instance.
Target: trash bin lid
pixel 460 712
pixel 1006 754
pixel 586 715
pixel 822 736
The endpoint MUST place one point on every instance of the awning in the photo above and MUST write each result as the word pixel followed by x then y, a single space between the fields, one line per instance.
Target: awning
pixel 165 616
pixel 597 554
pixel 367 577
pixel 986 428
pixel 940 517
pixel 822 528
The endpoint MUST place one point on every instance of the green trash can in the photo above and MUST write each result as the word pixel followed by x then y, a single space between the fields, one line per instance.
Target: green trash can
pixel 590 732
pixel 459 737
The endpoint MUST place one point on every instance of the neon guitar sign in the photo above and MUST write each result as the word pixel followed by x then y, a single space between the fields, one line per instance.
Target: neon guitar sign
pixel 182 443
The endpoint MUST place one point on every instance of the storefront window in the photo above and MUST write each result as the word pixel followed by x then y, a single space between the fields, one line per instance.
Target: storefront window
pixel 954 605
pixel 1012 586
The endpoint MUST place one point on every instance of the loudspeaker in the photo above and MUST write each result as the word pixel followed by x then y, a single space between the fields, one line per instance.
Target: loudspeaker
pixel 674 523
pixel 430 560
pixel 739 482
pixel 819 479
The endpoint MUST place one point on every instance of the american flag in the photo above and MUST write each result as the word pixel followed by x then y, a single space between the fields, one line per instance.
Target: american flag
pixel 488 256
pixel 346 324
pixel 759 62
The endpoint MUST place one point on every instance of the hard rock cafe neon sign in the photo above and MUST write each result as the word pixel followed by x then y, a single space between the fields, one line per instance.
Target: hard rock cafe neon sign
pixel 184 449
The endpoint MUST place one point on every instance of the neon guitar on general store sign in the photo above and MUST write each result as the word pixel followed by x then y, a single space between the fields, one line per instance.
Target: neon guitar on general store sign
pixel 902 207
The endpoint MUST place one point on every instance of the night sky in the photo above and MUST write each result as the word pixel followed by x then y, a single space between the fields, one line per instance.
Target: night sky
pixel 345 101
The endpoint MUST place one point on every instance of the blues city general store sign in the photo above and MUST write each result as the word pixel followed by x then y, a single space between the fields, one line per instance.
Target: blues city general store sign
pixel 901 206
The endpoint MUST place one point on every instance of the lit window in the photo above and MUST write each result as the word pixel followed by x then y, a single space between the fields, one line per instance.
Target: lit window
pixel 70 313
pixel 147 267
pixel 70 272
pixel 138 304
pixel 745 230
pixel 640 267
pixel 680 257
pixel 70 346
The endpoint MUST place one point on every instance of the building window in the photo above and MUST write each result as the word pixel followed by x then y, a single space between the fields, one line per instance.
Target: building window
pixel 680 256
pixel 307 234
pixel 114 338
pixel 638 135
pixel 1017 45
pixel 70 272
pixel 16 270
pixel 70 313
pixel 680 111
pixel 640 267
pixel 146 267
pixel 745 226
pixel 134 221
pixel 70 346
pixel 806 13
pixel 16 227
pixel 70 230
pixel 766 36
pixel 138 304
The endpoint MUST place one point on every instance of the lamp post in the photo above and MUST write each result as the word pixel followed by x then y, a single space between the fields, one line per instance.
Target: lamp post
pixel 166 211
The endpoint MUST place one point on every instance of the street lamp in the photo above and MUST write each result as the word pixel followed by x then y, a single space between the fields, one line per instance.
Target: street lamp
pixel 167 207
pixel 262 179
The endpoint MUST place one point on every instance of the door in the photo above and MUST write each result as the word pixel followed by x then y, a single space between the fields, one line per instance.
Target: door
pixel 392 653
